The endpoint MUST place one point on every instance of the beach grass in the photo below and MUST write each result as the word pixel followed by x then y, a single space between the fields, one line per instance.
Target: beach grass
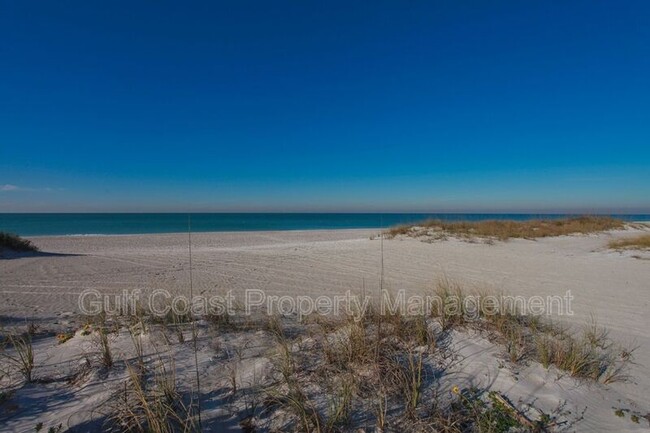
pixel 635 243
pixel 386 361
pixel 334 373
pixel 14 242
pixel 507 229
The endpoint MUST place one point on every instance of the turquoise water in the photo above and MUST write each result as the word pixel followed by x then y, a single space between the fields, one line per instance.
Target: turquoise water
pixel 41 224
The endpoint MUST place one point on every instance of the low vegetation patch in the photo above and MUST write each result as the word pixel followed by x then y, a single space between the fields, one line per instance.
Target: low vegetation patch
pixel 13 242
pixel 637 243
pixel 382 370
pixel 375 370
pixel 16 352
pixel 150 403
pixel 506 229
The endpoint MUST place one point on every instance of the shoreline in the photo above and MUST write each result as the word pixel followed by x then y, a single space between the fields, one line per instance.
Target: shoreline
pixel 230 232
pixel 211 232
pixel 87 225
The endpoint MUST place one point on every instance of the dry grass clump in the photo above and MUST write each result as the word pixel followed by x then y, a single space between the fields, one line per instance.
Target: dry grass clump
pixel 384 369
pixel 101 337
pixel 506 229
pixel 636 243
pixel 14 242
pixel 351 362
pixel 373 369
pixel 150 404
pixel 18 352
pixel 588 354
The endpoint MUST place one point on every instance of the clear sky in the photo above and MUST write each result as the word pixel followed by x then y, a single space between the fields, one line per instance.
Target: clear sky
pixel 325 106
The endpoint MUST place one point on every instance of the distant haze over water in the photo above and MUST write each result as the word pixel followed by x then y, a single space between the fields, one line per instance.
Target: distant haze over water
pixel 49 224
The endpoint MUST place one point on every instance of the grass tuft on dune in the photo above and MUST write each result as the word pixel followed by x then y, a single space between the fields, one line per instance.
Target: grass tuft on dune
pixel 15 243
pixel 636 243
pixel 394 370
pixel 506 229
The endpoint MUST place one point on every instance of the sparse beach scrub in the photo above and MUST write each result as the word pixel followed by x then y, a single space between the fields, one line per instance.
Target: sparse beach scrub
pixel 387 370
pixel 505 229
pixel 636 243
pixel 103 345
pixel 589 354
pixel 12 242
pixel 151 404
pixel 86 330
pixel 18 352
pixel 64 336
pixel 382 368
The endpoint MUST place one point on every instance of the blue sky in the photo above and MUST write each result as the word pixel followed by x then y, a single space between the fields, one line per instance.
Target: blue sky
pixel 329 106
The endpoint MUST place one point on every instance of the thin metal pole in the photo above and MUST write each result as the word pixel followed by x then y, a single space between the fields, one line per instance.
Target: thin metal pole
pixel 381 242
pixel 194 334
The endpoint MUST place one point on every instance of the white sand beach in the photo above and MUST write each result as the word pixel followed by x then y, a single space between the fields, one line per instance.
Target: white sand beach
pixel 610 286
pixel 308 217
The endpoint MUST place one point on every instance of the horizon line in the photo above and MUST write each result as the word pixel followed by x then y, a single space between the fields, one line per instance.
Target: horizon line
pixel 372 212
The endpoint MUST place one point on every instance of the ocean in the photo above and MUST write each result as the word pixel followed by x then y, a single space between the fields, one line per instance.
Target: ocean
pixel 51 224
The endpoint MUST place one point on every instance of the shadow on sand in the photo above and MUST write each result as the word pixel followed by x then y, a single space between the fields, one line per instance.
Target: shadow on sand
pixel 13 255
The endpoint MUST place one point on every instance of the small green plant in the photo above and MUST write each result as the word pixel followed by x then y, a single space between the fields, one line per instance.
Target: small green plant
pixel 485 414
pixel 619 413
pixel 496 417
